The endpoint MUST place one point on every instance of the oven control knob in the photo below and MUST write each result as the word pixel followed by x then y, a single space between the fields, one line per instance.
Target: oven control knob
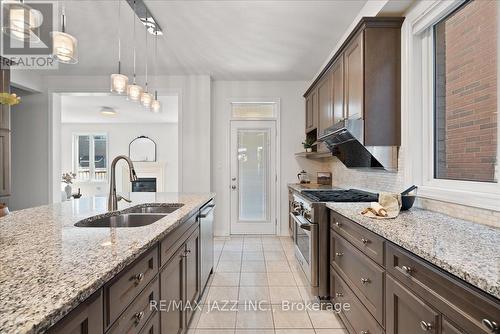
pixel 307 215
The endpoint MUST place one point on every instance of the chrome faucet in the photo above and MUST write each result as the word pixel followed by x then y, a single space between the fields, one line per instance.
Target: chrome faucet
pixel 113 199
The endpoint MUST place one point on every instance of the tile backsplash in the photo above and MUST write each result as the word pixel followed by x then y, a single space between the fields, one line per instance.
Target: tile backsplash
pixel 378 180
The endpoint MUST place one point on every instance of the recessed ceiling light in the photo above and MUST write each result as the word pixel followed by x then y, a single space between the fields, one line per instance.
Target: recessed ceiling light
pixel 108 111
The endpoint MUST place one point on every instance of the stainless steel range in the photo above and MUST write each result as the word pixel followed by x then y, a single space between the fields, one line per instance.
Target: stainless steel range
pixel 311 230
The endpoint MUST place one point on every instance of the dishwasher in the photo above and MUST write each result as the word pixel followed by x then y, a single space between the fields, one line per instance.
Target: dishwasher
pixel 206 219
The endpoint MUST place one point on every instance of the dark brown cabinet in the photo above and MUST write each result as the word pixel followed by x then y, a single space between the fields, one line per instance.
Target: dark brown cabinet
pixel 354 71
pixel 364 81
pixel 311 111
pixel 172 279
pixel 193 273
pixel 338 112
pixel 400 291
pixel 408 314
pixel 85 319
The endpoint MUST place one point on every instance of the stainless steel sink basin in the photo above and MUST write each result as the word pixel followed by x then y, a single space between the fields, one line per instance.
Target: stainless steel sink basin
pixel 121 220
pixel 155 208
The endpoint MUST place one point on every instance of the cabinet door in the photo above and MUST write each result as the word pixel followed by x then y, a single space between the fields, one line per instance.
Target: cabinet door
pixel 171 293
pixel 338 90
pixel 354 78
pixel 408 314
pixel 311 111
pixel 325 103
pixel 85 319
pixel 193 273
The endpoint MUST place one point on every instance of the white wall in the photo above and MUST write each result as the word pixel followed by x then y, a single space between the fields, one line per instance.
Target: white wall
pixel 292 133
pixel 119 136
pixel 35 146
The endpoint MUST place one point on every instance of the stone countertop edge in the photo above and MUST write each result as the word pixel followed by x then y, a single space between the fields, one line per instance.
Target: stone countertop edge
pixel 468 254
pixel 21 320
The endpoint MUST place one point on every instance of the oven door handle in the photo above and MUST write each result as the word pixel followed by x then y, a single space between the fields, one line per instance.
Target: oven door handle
pixel 305 227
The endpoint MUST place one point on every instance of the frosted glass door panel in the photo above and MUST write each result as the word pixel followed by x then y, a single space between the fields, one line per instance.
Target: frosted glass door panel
pixel 253 168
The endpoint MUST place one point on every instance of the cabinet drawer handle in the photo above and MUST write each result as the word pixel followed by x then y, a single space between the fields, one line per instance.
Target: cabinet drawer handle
pixel 339 254
pixel 339 294
pixel 188 251
pixel 138 278
pixel 491 325
pixel 138 317
pixel 426 326
pixel 407 269
pixel 364 332
pixel 365 280
pixel 365 241
pixel 338 224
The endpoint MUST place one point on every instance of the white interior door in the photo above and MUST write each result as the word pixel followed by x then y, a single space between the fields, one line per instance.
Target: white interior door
pixel 253 177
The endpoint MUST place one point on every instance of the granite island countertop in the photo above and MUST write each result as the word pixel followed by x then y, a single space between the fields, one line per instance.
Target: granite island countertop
pixel 48 266
pixel 465 249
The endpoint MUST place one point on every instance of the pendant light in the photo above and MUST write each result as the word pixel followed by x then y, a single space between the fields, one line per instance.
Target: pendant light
pixel 134 91
pixel 119 81
pixel 156 105
pixel 19 20
pixel 146 97
pixel 64 46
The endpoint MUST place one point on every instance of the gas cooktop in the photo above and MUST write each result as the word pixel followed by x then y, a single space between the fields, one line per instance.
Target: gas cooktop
pixel 351 195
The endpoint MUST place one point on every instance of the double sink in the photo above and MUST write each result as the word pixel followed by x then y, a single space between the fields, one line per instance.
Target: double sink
pixel 140 215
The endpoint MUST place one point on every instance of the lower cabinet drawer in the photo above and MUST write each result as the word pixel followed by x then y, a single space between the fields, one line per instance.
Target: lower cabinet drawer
pixel 86 318
pixel 136 315
pixel 459 302
pixel 152 326
pixel 408 314
pixel 357 319
pixel 364 276
pixel 122 290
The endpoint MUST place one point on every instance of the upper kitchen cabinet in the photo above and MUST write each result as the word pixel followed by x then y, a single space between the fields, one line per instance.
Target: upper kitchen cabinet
pixel 364 83
pixel 353 79
pixel 311 111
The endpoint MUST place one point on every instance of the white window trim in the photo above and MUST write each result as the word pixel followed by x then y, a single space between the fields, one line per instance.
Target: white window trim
pixel 418 108
pixel 273 101
pixel 91 154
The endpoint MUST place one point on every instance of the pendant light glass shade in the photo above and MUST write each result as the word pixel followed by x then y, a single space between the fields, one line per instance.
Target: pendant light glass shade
pixel 19 21
pixel 156 106
pixel 134 92
pixel 65 48
pixel 119 83
pixel 146 100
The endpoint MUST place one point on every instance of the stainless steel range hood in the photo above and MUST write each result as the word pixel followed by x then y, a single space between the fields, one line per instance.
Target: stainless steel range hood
pixel 345 140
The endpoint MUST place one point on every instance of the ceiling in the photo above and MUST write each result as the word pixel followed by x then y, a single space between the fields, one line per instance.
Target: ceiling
pixel 85 108
pixel 229 40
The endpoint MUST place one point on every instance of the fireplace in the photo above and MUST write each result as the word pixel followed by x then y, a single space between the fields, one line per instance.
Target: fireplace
pixel 145 184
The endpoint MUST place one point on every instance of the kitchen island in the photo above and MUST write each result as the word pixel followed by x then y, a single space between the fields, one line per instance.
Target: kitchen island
pixel 48 266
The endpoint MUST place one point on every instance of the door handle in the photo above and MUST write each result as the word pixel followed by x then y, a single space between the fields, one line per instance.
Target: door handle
pixel 233 187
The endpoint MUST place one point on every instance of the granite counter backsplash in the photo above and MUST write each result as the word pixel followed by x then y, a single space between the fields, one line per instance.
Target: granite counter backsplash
pixel 467 250
pixel 48 266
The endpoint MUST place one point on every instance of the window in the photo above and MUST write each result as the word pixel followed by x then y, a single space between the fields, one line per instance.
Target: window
pixel 253 110
pixel 90 157
pixel 466 93
pixel 450 71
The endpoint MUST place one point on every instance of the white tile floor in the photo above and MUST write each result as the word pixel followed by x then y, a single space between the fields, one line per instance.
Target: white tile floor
pixel 255 279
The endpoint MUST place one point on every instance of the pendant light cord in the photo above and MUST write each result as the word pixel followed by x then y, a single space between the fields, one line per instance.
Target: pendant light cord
pixel 133 21
pixel 155 62
pixel 147 58
pixel 63 19
pixel 119 41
